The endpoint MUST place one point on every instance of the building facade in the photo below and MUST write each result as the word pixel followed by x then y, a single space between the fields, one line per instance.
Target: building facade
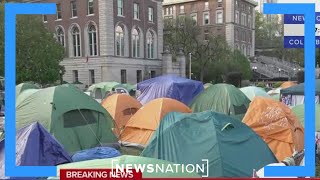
pixel 109 40
pixel 233 19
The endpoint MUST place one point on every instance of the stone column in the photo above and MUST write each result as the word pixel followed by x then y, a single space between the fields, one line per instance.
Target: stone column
pixel 106 27
pixel 166 61
pixel 181 58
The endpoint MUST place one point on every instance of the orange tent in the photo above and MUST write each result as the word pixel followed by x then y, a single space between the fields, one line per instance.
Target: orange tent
pixel 287 84
pixel 144 123
pixel 121 107
pixel 276 124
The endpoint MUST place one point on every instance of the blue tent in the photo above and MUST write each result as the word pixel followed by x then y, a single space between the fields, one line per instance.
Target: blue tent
pixel 35 147
pixel 169 86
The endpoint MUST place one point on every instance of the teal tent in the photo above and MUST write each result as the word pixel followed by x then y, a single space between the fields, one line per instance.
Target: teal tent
pixel 24 86
pixel 223 98
pixel 299 112
pixel 253 91
pixel 232 148
pixel 299 89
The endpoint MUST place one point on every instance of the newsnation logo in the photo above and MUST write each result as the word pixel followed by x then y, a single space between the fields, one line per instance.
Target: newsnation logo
pixel 135 171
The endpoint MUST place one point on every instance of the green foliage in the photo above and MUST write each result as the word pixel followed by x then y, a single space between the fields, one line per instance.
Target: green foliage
pixel 37 51
pixel 277 84
pixel 261 84
pixel 211 58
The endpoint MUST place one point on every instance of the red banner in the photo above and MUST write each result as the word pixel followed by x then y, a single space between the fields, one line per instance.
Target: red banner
pixel 97 174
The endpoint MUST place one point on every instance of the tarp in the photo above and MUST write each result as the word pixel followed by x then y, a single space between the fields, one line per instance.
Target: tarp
pixel 169 86
pixel 95 153
pixel 299 112
pixel 299 89
pixel 133 161
pixel 35 147
pixel 76 120
pixel 223 98
pixel 121 107
pixel 142 124
pixel 231 147
pixel 288 84
pixel 24 86
pixel 253 91
pixel 275 123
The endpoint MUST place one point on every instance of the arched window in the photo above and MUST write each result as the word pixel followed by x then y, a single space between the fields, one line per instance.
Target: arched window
pixel 92 37
pixel 60 35
pixel 119 41
pixel 150 45
pixel 76 45
pixel 135 43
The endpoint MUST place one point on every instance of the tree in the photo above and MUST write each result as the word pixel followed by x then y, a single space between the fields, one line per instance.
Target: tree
pixel 38 53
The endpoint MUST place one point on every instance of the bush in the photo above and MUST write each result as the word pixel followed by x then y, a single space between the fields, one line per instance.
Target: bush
pixel 234 78
pixel 261 84
pixel 277 84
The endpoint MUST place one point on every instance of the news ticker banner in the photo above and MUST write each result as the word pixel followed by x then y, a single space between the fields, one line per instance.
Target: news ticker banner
pixel 294 26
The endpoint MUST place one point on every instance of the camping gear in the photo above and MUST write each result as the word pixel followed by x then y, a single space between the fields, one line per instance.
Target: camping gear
pixel 76 120
pixel 294 95
pixel 169 86
pixel 277 125
pixel 299 112
pixel 121 107
pixel 143 123
pixel 223 98
pixel 132 161
pixel 253 91
pixel 231 148
pixel 95 153
pixel 288 84
pixel 35 147
pixel 24 86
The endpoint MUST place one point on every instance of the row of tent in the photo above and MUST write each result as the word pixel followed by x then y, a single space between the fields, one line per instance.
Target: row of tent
pixel 78 122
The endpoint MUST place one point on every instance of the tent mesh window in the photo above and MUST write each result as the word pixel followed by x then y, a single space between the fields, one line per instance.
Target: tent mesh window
pixel 80 117
pixel 240 109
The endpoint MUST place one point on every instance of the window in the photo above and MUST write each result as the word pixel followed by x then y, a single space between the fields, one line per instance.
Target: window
pixel 206 5
pixel 167 11
pixel 59 15
pixel 237 4
pixel 75 33
pixel 236 34
pixel 135 43
pixel 219 1
pixel 194 18
pixel 45 19
pixel 237 17
pixel 236 46
pixel 206 35
pixel 153 74
pixel 244 51
pixel 150 14
pixel 75 76
pixel 119 41
pixel 249 51
pixel 181 9
pixel 242 7
pixel 249 38
pixel 90 7
pixel 123 76
pixel 60 35
pixel 73 9
pixel 92 35
pixel 171 10
pixel 136 11
pixel 249 22
pixel 91 76
pixel 120 7
pixel 139 76
pixel 219 16
pixel 150 45
pixel 245 20
pixel 206 19
pixel 182 20
pixel 244 36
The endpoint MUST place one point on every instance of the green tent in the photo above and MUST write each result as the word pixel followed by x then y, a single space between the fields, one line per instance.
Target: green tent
pixel 253 91
pixel 299 89
pixel 25 94
pixel 24 86
pixel 207 85
pixel 133 161
pixel 99 90
pixel 76 120
pixel 232 148
pixel 223 98
pixel 299 112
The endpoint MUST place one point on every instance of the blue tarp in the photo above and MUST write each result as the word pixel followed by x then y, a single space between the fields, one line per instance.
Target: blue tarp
pixel 169 86
pixel 35 147
pixel 95 153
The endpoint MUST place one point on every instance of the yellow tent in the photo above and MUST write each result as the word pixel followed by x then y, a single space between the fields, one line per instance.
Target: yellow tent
pixel 288 84
pixel 277 125
pixel 121 107
pixel 144 123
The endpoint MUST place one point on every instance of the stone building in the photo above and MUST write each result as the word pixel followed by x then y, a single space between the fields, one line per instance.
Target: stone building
pixel 109 40
pixel 233 19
